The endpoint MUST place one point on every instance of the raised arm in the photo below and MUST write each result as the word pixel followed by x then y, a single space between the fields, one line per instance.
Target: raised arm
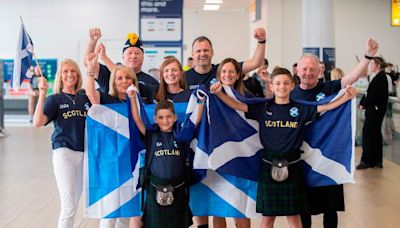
pixel 39 118
pixel 132 94
pixel 348 95
pixel 259 54
pixel 357 71
pixel 202 101
pixel 94 36
pixel 90 88
pixel 101 51
pixel 217 90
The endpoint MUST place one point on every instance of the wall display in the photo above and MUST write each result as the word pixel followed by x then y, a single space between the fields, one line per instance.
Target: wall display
pixel 395 12
pixel 49 69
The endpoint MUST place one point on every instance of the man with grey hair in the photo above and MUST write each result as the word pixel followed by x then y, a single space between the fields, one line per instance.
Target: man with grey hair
pixel 327 199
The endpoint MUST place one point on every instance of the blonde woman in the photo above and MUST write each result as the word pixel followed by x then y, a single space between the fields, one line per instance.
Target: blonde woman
pixel 67 109
pixel 337 74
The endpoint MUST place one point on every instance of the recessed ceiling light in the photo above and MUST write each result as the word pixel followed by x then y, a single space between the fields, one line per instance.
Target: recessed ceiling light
pixel 213 1
pixel 211 7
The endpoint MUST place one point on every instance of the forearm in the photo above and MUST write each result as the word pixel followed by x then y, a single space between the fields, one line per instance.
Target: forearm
pixel 89 49
pixel 257 59
pixel 91 92
pixel 232 103
pixel 39 118
pixel 107 61
pixel 332 105
pixel 135 115
pixel 355 73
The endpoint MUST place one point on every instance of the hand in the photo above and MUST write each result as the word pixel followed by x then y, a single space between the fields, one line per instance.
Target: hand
pixel 350 92
pixel 372 47
pixel 361 107
pixel 100 50
pixel 259 34
pixel 91 61
pixel 43 86
pixel 94 34
pixel 132 90
pixel 216 88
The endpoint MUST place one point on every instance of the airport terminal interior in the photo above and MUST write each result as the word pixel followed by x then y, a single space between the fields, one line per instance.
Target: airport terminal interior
pixel 28 190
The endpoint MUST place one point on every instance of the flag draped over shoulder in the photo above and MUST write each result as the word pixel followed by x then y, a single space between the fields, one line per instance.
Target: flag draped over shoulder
pixel 229 186
pixel 23 59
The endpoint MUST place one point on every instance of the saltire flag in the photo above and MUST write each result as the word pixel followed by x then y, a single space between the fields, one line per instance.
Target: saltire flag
pixel 230 178
pixel 23 59
pixel 115 153
pixel 111 165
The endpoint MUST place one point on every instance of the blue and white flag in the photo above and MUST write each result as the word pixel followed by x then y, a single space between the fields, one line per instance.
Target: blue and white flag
pixel 111 164
pixel 229 187
pixel 23 59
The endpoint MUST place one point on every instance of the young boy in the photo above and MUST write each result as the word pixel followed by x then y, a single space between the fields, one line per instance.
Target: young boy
pixel 166 167
pixel 281 132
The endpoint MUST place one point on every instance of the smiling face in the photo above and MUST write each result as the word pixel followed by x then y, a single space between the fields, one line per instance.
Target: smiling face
pixel 228 74
pixel 202 53
pixel 172 73
pixel 165 119
pixel 122 81
pixel 133 57
pixel 69 76
pixel 282 85
pixel 308 70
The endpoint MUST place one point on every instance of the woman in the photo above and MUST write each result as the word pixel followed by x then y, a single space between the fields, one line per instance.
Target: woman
pixel 121 78
pixel 375 105
pixel 172 84
pixel 337 74
pixel 67 109
pixel 229 74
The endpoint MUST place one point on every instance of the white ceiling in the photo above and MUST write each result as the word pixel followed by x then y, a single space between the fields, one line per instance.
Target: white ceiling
pixel 227 5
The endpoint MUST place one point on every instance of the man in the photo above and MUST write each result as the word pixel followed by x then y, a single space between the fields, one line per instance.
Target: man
pixel 132 56
pixel 189 64
pixel 295 76
pixel 327 199
pixel 204 71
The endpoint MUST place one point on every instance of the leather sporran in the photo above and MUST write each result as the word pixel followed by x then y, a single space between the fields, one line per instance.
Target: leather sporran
pixel 165 195
pixel 279 170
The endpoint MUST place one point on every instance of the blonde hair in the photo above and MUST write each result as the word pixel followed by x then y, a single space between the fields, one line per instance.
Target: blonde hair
pixel 127 70
pixel 337 74
pixel 58 85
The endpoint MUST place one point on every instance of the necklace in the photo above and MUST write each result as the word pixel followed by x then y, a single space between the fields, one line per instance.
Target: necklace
pixel 73 100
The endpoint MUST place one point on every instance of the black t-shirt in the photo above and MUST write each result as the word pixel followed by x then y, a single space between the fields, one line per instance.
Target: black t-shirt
pixel 281 126
pixel 167 159
pixel 183 96
pixel 68 113
pixel 106 98
pixel 147 84
pixel 194 79
pixel 317 93
pixel 254 86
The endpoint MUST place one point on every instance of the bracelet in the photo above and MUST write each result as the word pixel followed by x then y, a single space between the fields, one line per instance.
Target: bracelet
pixel 201 101
pixel 368 57
pixel 262 42
pixel 90 74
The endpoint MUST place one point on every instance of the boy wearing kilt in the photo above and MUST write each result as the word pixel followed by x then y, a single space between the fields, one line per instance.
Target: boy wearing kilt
pixel 166 167
pixel 281 189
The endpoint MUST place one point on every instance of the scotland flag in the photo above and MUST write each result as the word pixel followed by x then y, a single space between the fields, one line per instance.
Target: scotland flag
pixel 111 164
pixel 227 148
pixel 23 59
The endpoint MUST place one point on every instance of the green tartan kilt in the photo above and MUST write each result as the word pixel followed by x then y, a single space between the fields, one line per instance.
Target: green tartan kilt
pixel 173 216
pixel 282 198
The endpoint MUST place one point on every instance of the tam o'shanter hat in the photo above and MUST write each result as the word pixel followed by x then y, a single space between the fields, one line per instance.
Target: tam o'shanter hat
pixel 133 41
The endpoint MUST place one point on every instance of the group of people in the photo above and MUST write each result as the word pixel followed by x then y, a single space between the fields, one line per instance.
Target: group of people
pixel 290 197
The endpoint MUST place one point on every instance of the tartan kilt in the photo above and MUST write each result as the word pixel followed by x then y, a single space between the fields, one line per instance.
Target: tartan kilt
pixel 173 216
pixel 282 198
